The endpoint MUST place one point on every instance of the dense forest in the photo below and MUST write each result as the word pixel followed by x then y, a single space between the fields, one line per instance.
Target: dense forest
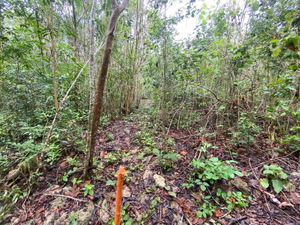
pixel 198 100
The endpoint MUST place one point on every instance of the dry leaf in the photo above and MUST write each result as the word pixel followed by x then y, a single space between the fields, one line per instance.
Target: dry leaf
pixel 218 213
pixel 183 152
pixel 295 198
pixel 285 204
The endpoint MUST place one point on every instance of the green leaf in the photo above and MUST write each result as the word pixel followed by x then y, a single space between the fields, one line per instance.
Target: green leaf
pixel 264 183
pixel 283 176
pixel 110 183
pixel 277 185
pixel 276 52
pixel 202 187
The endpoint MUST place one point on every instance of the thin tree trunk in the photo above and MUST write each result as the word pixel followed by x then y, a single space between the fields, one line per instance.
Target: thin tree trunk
pixel 165 69
pixel 53 57
pixel 98 103
pixel 75 30
pixel 92 71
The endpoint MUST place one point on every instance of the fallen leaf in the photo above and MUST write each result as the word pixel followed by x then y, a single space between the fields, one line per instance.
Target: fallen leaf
pixel 198 221
pixel 285 204
pixel 159 181
pixel 63 165
pixel 218 213
pixel 295 198
pixel 183 152
pixel 103 154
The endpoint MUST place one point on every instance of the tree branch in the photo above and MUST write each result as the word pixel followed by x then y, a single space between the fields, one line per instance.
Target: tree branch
pixel 123 5
pixel 114 4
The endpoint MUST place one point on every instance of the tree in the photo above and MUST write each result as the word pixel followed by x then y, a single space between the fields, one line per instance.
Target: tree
pixel 117 9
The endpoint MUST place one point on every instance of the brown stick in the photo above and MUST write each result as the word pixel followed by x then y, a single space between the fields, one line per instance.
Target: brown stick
pixel 121 175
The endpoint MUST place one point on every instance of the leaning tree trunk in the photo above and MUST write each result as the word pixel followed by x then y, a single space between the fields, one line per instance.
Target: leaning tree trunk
pixel 98 103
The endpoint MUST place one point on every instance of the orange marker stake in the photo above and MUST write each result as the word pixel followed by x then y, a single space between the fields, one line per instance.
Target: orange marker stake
pixel 121 175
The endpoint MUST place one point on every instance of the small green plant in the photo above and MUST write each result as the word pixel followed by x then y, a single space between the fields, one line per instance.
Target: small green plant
pixel 76 181
pixel 275 175
pixel 111 158
pixel 73 161
pixel 110 137
pixel 292 140
pixel 146 139
pixel 204 147
pixel 111 183
pixel 73 218
pixel 53 154
pixel 171 142
pixel 206 210
pixel 65 177
pixel 8 198
pixel 104 121
pixel 247 131
pixel 232 199
pixel 88 190
pixel 166 160
pixel 207 172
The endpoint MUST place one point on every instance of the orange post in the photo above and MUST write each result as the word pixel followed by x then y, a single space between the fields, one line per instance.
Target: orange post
pixel 121 175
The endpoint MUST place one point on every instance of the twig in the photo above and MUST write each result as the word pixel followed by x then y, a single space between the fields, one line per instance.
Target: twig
pixel 233 221
pixel 181 106
pixel 67 196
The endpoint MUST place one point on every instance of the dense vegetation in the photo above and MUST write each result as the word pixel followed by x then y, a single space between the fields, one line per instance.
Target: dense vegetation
pixel 210 104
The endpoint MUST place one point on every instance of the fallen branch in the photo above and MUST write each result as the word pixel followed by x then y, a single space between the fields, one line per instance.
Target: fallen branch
pixel 234 221
pixel 66 196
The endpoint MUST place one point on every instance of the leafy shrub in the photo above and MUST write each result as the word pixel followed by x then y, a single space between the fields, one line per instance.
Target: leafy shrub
pixel 276 175
pixel 247 131
pixel 206 174
pixel 88 190
pixel 209 171
pixel 293 140
pixel 167 159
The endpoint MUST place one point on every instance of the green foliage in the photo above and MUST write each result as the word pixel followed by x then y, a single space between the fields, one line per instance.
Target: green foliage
pixel 206 210
pixel 167 159
pixel 247 131
pixel 110 137
pixel 73 161
pixel 235 200
pixel 8 198
pixel 88 190
pixel 208 172
pixel 206 175
pixel 53 154
pixel 293 141
pixel 73 218
pixel 111 183
pixel 65 177
pixel 76 181
pixel 276 176
pixel 111 158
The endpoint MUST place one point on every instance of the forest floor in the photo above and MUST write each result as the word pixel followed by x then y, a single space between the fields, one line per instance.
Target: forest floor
pixel 152 195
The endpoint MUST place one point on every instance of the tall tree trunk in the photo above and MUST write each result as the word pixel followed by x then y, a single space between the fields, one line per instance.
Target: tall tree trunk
pixel 165 70
pixel 75 30
pixel 98 103
pixel 53 57
pixel 39 32
pixel 92 71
